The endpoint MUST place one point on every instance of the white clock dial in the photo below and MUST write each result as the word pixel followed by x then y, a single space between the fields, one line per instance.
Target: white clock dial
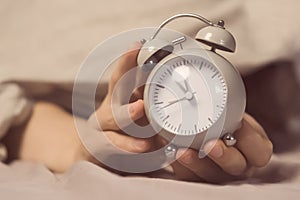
pixel 186 95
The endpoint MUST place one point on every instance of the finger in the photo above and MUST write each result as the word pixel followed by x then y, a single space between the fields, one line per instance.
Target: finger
pixel 204 168
pixel 254 143
pixel 229 159
pixel 126 62
pixel 116 118
pixel 136 109
pixel 128 143
pixel 127 114
pixel 255 125
pixel 183 173
pixel 180 171
pixel 137 94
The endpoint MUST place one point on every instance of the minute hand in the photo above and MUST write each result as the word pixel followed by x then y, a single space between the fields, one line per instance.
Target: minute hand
pixel 174 101
pixel 186 97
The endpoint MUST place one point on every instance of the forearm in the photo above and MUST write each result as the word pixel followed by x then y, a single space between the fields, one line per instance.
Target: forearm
pixel 48 137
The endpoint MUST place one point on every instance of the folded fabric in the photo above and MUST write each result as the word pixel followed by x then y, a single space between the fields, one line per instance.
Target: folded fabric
pixel 15 108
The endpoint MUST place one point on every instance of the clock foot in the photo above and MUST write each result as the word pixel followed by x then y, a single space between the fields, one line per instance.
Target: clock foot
pixel 171 151
pixel 229 139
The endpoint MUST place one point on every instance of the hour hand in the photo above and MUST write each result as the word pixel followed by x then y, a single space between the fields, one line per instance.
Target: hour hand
pixel 181 86
pixel 184 85
pixel 187 86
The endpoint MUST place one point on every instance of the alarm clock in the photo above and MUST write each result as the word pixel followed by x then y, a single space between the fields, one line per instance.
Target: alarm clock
pixel 192 95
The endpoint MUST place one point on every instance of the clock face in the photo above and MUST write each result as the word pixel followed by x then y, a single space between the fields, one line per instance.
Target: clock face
pixel 186 95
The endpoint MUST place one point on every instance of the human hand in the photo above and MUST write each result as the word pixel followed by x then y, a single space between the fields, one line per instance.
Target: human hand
pixel 223 164
pixel 104 118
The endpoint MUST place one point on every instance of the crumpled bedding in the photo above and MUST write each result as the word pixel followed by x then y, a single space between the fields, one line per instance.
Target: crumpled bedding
pixel 43 44
pixel 87 181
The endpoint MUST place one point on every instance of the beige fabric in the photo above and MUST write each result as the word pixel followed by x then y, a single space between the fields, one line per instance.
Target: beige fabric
pixel 15 109
pixel 48 40
pixel 42 44
pixel 87 181
pixel 15 106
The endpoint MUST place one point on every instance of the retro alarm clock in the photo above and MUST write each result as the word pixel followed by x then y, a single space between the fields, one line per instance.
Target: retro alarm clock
pixel 192 95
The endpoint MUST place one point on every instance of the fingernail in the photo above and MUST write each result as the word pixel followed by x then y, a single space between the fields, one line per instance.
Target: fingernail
pixel 133 46
pixel 131 108
pixel 140 145
pixel 213 149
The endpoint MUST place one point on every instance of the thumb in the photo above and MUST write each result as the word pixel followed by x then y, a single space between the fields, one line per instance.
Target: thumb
pixel 117 117
pixel 126 114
